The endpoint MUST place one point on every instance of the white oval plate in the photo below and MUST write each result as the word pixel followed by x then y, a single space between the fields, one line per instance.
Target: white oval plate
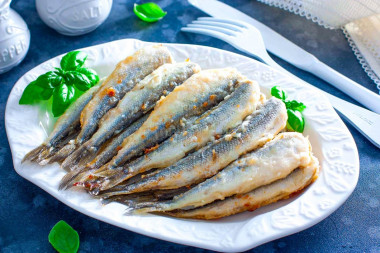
pixel 332 144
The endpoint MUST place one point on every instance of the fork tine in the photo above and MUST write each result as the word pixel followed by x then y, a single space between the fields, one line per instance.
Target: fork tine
pixel 227 21
pixel 213 28
pixel 219 24
pixel 214 34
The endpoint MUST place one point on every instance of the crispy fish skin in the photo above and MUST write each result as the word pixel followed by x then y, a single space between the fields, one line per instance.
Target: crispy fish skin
pixel 262 196
pixel 227 115
pixel 134 104
pixel 65 125
pixel 257 129
pixel 274 161
pixel 196 95
pixel 125 76
pixel 108 150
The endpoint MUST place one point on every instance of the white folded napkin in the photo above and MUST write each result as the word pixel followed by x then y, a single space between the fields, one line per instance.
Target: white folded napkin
pixel 359 19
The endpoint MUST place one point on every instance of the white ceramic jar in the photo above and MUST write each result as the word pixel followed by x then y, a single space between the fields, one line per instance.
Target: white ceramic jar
pixel 73 17
pixel 14 37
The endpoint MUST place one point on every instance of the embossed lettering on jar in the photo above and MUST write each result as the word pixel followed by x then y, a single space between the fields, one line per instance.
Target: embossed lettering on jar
pixel 72 17
pixel 14 37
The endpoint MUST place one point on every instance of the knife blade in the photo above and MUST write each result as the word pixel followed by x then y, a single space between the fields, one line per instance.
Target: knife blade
pixel 290 52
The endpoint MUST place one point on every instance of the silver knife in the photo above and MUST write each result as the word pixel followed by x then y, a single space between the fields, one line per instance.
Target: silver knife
pixel 290 52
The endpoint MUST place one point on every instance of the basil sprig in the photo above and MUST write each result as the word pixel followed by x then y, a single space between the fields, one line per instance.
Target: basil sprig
pixel 63 84
pixel 64 238
pixel 149 12
pixel 296 121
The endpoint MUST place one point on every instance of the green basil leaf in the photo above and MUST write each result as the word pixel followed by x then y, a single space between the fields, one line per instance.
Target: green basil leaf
pixel 296 122
pixel 149 12
pixel 31 94
pixel 73 60
pixel 49 80
pixel 90 74
pixel 59 71
pixel 63 96
pixel 46 94
pixel 278 92
pixel 64 238
pixel 295 105
pixel 80 80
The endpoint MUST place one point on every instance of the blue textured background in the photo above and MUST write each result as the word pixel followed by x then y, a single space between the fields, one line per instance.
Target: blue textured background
pixel 27 213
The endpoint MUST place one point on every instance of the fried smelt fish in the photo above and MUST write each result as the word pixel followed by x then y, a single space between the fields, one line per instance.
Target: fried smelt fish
pixel 215 122
pixel 196 95
pixel 256 130
pixel 108 150
pixel 274 161
pixel 262 196
pixel 64 127
pixel 125 76
pixel 141 99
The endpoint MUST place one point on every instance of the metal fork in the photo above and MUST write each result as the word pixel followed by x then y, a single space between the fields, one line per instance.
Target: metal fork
pixel 248 39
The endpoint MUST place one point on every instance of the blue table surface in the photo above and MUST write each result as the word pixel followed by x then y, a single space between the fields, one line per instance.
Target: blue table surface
pixel 27 213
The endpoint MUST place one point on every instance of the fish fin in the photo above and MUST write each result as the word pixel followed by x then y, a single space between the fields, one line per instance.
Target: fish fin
pixel 32 155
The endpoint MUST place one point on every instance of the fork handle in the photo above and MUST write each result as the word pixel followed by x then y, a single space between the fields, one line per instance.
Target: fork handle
pixel 364 96
pixel 365 121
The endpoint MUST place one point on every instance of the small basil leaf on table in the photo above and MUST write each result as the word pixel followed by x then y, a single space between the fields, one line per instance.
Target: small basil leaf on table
pixel 31 94
pixel 296 122
pixel 64 238
pixel 62 98
pixel 49 80
pixel 90 74
pixel 278 92
pixel 73 60
pixel 78 79
pixel 149 12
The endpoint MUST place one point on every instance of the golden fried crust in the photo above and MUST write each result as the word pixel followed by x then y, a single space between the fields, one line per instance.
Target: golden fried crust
pixel 262 196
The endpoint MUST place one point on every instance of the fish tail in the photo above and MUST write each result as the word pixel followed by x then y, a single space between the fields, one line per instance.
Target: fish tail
pixel 128 199
pixel 75 157
pixel 73 176
pixel 33 155
pixel 110 178
pixel 60 155
pixel 113 193
pixel 44 155
pixel 145 207
pixel 106 180
pixel 149 207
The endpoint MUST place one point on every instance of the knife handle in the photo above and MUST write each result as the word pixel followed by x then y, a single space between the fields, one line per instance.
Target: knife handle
pixel 364 96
